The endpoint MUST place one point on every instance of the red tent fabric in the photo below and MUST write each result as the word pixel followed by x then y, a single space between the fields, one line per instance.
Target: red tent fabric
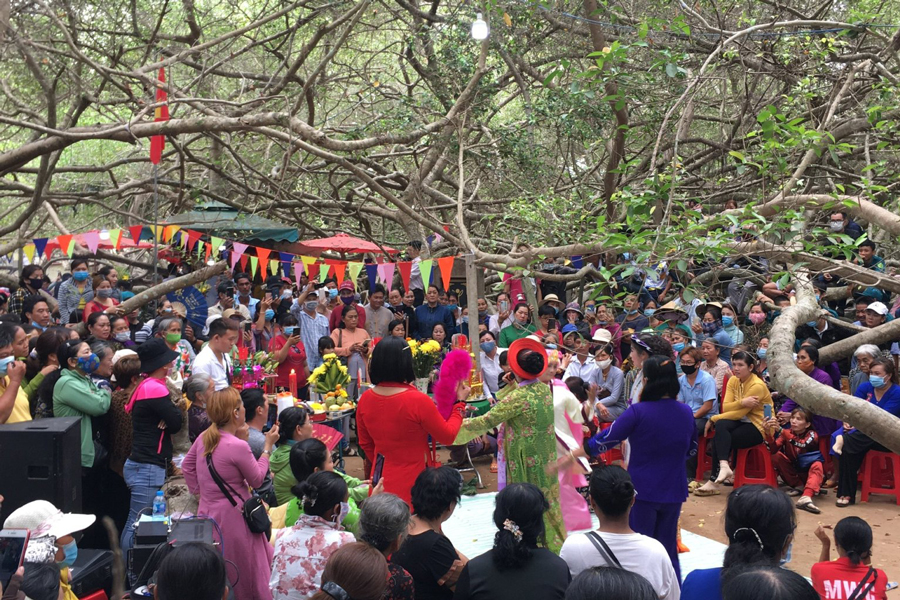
pixel 344 243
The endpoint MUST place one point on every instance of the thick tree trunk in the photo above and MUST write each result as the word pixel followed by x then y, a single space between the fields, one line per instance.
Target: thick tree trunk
pixel 151 294
pixel 824 400
pixel 883 333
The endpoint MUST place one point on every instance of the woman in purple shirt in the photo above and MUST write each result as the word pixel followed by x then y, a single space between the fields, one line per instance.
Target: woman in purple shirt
pixel 661 433
pixel 808 362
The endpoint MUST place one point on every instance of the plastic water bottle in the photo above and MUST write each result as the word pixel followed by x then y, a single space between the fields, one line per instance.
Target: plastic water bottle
pixel 159 505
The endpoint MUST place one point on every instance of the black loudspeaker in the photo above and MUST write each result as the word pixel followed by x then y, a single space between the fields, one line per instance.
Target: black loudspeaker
pixel 92 572
pixel 41 460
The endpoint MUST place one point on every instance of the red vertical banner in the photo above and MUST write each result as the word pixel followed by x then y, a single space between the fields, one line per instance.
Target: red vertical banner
pixel 158 142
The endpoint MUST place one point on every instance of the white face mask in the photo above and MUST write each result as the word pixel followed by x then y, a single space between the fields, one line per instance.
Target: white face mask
pixel 604 364
pixel 344 511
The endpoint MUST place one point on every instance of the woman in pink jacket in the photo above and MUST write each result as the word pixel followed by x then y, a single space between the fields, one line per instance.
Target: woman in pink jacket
pixel 226 441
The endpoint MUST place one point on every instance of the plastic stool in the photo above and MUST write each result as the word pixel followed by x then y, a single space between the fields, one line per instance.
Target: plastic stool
pixel 704 461
pixel 754 465
pixel 882 475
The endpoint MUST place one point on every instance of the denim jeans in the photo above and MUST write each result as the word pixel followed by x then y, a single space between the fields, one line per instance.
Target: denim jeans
pixel 144 480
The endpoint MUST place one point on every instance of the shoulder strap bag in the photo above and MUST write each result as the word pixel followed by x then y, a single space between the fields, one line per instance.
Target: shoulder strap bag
pixel 604 550
pixel 253 509
pixel 865 586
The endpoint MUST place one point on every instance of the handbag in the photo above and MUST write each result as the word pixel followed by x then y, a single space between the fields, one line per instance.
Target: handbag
pixel 342 359
pixel 253 509
pixel 806 460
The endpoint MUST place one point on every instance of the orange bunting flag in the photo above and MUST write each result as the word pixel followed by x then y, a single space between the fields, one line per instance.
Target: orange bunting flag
pixel 64 241
pixel 263 255
pixel 445 264
pixel 158 142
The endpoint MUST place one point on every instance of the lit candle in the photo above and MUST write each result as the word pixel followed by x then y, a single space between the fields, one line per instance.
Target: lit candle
pixel 293 383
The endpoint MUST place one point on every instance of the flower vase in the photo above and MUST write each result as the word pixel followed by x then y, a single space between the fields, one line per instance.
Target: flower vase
pixel 422 384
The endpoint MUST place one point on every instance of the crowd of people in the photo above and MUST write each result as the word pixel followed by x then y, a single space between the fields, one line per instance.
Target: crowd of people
pixel 577 389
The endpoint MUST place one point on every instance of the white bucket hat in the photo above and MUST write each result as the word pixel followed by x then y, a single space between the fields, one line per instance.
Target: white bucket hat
pixel 44 519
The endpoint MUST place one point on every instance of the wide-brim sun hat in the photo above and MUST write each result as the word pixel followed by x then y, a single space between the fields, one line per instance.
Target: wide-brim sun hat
pixel 602 336
pixel 701 310
pixel 526 343
pixel 155 354
pixel 573 306
pixel 671 312
pixel 42 518
pixel 550 298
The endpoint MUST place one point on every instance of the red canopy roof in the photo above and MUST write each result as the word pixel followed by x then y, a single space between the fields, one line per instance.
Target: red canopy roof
pixel 346 244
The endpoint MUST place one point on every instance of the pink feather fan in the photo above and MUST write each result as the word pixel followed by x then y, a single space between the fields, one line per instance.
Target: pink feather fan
pixel 456 367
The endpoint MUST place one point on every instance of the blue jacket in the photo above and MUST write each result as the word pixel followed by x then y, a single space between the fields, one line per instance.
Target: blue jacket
pixel 426 317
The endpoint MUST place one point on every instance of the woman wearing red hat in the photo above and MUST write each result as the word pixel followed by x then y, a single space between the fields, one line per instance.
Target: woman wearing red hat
pixel 529 440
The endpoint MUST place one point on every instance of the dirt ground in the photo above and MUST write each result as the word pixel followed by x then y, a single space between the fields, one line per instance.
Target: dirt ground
pixel 704 516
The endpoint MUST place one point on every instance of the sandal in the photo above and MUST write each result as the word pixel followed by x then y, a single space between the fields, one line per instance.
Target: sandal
pixel 808 506
pixel 704 493
pixel 351 452
pixel 493 467
pixel 842 502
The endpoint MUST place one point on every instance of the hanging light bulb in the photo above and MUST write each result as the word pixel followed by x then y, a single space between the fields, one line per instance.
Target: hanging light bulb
pixel 480 29
pixel 104 234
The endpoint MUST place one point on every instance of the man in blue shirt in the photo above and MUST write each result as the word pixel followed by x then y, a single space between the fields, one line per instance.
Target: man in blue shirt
pixel 432 312
pixel 244 285
pixel 698 391
pixel 313 326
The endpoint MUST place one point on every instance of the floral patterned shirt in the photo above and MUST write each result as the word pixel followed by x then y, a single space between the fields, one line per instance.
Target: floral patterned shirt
pixel 301 552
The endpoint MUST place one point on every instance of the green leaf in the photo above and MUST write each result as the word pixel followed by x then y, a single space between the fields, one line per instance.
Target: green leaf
pixel 671 70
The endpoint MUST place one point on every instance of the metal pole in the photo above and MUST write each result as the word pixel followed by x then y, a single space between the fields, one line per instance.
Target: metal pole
pixel 472 305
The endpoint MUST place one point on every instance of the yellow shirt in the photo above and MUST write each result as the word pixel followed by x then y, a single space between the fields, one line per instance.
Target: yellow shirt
pixel 21 411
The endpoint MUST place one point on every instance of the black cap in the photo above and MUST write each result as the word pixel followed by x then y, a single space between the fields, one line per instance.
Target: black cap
pixel 155 353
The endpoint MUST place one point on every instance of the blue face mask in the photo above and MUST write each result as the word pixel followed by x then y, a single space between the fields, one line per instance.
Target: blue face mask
pixel 332 293
pixel 787 557
pixel 551 346
pixel 465 320
pixel 80 275
pixel 761 352
pixel 649 312
pixel 727 321
pixel 71 551
pixel 89 363
pixel 289 331
pixel 4 365
pixel 631 312
pixel 270 314
pixel 811 323
pixel 39 326
pixel 452 307
pixel 678 347
pixel 488 347
pixel 877 381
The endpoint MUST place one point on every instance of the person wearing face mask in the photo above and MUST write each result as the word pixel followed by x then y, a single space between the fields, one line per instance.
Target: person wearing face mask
pixel 729 324
pixel 312 326
pixel 520 328
pixel 14 406
pixel 244 284
pixel 698 391
pixel 31 283
pixel 757 325
pixel 631 320
pixel 163 309
pixel 289 351
pixel 76 395
pixel 882 391
pixel 103 300
pixel 610 385
pixel 223 448
pixel 490 362
pixel 710 327
pixel 347 298
pixel 762 352
pixel 169 330
pixel 154 421
pixel 75 292
pixel 302 550
pixel 226 292
pixel 36 312
pixel 50 526
pixel 121 332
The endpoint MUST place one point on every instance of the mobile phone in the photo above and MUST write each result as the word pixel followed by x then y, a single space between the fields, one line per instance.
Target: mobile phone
pixel 551 324
pixel 767 411
pixel 12 552
pixel 379 467
pixel 504 305
pixel 247 325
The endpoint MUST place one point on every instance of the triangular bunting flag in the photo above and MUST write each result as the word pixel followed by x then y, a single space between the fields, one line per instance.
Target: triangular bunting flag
pixel 169 231
pixel 355 268
pixel 298 273
pixel 323 272
pixel 193 238
pixel 387 275
pixel 136 232
pixel 577 261
pixel 234 256
pixel 308 262
pixel 425 270
pixel 115 238
pixel 91 240
pixel 40 244
pixel 239 248
pixel 263 255
pixel 405 273
pixel 64 241
pixel 253 263
pixel 445 264
pixel 216 243
pixel 372 273
pixel 244 260
pixel 29 252
pixel 274 266
pixel 200 245
pixel 71 249
pixel 340 269
pixel 286 260
pixel 209 248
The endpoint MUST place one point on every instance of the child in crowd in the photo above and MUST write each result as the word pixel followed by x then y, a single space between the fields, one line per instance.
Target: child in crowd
pixel 851 576
pixel 796 457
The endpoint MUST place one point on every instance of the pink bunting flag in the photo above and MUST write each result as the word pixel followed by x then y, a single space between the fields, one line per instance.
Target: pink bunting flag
pixel 92 240
pixel 386 271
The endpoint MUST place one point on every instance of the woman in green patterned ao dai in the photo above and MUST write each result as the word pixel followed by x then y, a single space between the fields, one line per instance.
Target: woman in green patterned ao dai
pixel 529 440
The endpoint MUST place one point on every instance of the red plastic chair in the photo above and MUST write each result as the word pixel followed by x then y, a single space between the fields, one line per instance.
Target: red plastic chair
pixel 882 475
pixel 754 465
pixel 704 461
pixel 98 595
